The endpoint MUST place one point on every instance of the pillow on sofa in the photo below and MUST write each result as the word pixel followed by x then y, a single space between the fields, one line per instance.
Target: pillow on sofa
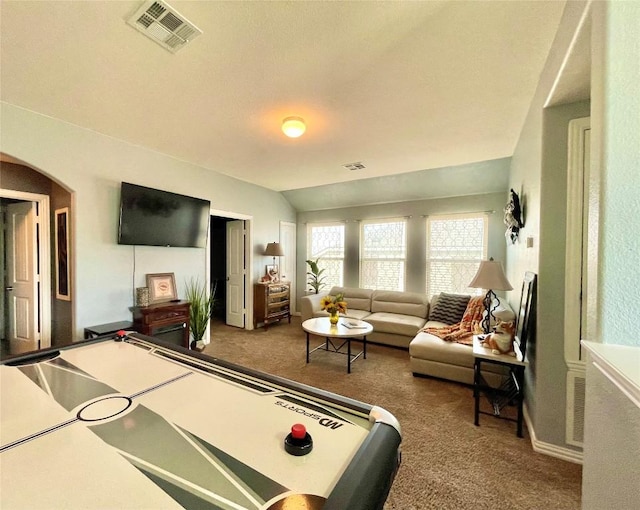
pixel 449 308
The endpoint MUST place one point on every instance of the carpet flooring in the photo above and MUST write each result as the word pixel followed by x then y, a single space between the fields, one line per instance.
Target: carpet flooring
pixel 447 462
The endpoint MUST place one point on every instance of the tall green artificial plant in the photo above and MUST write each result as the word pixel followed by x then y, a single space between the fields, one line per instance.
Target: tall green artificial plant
pixel 201 307
pixel 315 279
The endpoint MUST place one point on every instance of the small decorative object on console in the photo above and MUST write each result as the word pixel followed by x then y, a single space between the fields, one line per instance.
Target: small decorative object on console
pixel 142 296
pixel 272 273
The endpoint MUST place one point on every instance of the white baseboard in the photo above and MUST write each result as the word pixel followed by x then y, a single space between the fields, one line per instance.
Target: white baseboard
pixel 552 450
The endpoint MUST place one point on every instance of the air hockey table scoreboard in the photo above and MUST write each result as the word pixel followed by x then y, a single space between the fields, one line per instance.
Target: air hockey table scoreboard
pixel 129 422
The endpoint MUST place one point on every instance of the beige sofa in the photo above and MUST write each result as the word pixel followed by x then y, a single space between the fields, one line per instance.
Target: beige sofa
pixel 397 318
pixel 432 356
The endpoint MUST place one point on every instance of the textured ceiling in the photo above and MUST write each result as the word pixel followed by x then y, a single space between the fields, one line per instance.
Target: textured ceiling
pixel 399 86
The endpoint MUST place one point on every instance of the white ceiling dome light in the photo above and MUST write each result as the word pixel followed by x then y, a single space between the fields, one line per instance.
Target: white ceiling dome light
pixel 293 127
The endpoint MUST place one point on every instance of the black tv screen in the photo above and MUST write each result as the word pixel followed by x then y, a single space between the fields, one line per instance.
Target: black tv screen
pixel 152 217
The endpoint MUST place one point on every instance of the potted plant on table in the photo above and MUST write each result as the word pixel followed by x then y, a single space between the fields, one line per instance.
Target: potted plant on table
pixel 200 309
pixel 334 305
pixel 315 280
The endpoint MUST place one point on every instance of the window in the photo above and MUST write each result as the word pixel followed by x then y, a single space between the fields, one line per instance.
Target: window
pixel 455 247
pixel 383 253
pixel 326 243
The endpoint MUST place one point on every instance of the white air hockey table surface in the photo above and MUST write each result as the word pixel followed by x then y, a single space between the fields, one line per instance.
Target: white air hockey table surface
pixel 136 423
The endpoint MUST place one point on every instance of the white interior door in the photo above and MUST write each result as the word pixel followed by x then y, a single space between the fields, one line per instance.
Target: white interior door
pixel 235 273
pixel 288 261
pixel 22 277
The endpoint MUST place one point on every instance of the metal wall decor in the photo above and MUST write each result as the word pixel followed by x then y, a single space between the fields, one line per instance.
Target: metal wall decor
pixel 513 217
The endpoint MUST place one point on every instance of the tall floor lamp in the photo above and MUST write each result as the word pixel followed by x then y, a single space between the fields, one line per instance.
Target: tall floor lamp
pixel 490 276
pixel 275 250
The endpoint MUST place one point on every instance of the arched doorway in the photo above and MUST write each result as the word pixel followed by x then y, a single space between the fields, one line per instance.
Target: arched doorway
pixel 52 317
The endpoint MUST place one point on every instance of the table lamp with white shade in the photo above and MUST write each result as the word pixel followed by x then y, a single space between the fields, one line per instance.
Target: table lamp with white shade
pixel 490 276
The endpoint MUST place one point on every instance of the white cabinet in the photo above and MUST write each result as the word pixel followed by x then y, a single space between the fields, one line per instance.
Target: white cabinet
pixel 611 462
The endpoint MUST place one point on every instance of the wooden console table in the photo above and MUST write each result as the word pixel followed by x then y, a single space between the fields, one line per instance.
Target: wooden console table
pixel 167 321
pixel 271 302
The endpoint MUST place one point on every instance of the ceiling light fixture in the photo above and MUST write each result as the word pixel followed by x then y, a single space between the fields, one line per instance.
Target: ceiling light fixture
pixel 293 127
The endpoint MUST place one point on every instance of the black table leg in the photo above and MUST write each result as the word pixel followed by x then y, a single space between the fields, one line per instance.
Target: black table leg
pixel 307 347
pixel 364 346
pixel 348 355
pixel 520 379
pixel 476 391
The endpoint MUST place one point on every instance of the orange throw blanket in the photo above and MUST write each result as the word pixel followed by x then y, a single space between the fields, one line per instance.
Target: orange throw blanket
pixel 463 331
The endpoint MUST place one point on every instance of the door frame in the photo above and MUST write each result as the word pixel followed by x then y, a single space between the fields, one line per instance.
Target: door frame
pixel 44 255
pixel 580 286
pixel 290 251
pixel 248 324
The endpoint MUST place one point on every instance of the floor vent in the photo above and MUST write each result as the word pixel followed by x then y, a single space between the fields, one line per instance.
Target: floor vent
pixel 164 25
pixel 575 407
pixel 354 166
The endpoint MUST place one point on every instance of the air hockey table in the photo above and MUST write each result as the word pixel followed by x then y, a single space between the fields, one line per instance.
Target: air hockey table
pixel 129 422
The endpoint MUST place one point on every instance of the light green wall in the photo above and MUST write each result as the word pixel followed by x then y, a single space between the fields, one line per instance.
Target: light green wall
pixel 92 166
pixel 416 213
pixel 538 172
pixel 620 241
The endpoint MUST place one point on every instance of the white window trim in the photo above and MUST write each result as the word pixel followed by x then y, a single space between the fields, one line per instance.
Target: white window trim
pixel 403 260
pixel 318 224
pixel 457 216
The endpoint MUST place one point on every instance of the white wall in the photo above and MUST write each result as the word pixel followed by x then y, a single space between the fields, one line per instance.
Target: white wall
pixel 92 166
pixel 620 242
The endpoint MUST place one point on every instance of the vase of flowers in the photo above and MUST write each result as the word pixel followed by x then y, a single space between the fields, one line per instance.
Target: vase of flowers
pixel 334 305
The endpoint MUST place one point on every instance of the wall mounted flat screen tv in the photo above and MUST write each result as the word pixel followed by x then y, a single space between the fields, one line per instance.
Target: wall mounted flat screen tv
pixel 152 217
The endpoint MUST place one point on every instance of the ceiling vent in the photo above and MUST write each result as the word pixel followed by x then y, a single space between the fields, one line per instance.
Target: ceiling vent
pixel 354 166
pixel 164 25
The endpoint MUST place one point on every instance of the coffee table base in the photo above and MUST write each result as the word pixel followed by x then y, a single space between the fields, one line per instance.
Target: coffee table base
pixel 329 346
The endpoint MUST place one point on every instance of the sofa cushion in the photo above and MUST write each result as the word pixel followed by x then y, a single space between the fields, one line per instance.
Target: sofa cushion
pixel 398 324
pixel 357 314
pixel 428 346
pixel 449 308
pixel 404 303
pixel 358 299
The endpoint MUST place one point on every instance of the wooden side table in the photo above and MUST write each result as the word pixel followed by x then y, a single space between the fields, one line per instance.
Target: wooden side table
pixel 271 302
pixel 167 321
pixel 512 388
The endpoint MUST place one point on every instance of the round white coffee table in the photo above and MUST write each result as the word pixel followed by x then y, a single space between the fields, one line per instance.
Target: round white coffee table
pixel 346 330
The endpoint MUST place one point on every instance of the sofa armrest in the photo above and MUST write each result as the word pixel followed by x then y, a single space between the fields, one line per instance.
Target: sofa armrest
pixel 310 304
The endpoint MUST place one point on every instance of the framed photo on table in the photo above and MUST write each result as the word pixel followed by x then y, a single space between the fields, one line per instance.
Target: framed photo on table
pixel 272 273
pixel 162 287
